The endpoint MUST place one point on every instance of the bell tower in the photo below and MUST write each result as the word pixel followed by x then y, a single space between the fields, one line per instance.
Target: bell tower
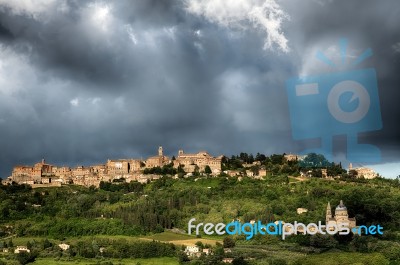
pixel 160 151
pixel 328 213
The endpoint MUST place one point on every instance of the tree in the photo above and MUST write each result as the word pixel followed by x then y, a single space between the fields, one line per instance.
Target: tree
pixel 353 173
pixel 244 157
pixel 159 229
pixel 316 173
pixel 207 170
pixel 250 160
pixel 362 243
pixel 218 251
pixel 182 257
pixel 25 257
pixel 255 170
pixel 181 169
pixel 199 244
pixel 229 242
pixel 276 159
pixel 239 261
pixel 323 241
pixel 196 170
pixel 29 245
pixel 47 244
pixel 260 157
pixel 313 160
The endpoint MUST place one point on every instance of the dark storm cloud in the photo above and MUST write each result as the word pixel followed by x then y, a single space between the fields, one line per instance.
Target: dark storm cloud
pixel 5 34
pixel 366 25
pixel 90 80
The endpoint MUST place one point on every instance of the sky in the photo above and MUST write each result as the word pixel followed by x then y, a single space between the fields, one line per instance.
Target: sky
pixel 84 81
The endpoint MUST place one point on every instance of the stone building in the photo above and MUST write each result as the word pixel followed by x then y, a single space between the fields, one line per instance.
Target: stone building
pixel 135 165
pixel 158 161
pixel 31 174
pixel 21 249
pixel 192 251
pixel 363 172
pixel 201 160
pixel 87 180
pixel 64 246
pixel 117 167
pixel 301 210
pixel 99 170
pixel 341 216
pixel 293 157
pixel 80 171
pixel 62 172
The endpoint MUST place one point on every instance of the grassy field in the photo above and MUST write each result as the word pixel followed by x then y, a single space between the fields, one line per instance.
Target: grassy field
pixel 181 239
pixel 171 237
pixel 344 258
pixel 273 251
pixel 152 261
pixel 297 179
pixel 192 242
pixel 22 241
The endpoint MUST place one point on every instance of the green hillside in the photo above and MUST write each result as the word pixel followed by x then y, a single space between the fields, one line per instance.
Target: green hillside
pixel 141 221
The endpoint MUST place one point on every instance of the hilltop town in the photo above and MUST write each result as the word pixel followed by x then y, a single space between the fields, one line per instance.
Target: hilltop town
pixel 43 174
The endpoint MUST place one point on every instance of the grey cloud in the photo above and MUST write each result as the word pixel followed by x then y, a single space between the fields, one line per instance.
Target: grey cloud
pixel 153 74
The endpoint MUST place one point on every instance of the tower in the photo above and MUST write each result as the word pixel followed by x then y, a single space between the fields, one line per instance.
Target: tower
pixel 160 151
pixel 328 213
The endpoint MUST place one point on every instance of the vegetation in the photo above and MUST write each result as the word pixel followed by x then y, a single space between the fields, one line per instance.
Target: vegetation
pixel 90 219
pixel 165 170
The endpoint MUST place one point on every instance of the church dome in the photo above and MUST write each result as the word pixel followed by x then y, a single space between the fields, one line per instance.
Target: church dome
pixel 341 207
